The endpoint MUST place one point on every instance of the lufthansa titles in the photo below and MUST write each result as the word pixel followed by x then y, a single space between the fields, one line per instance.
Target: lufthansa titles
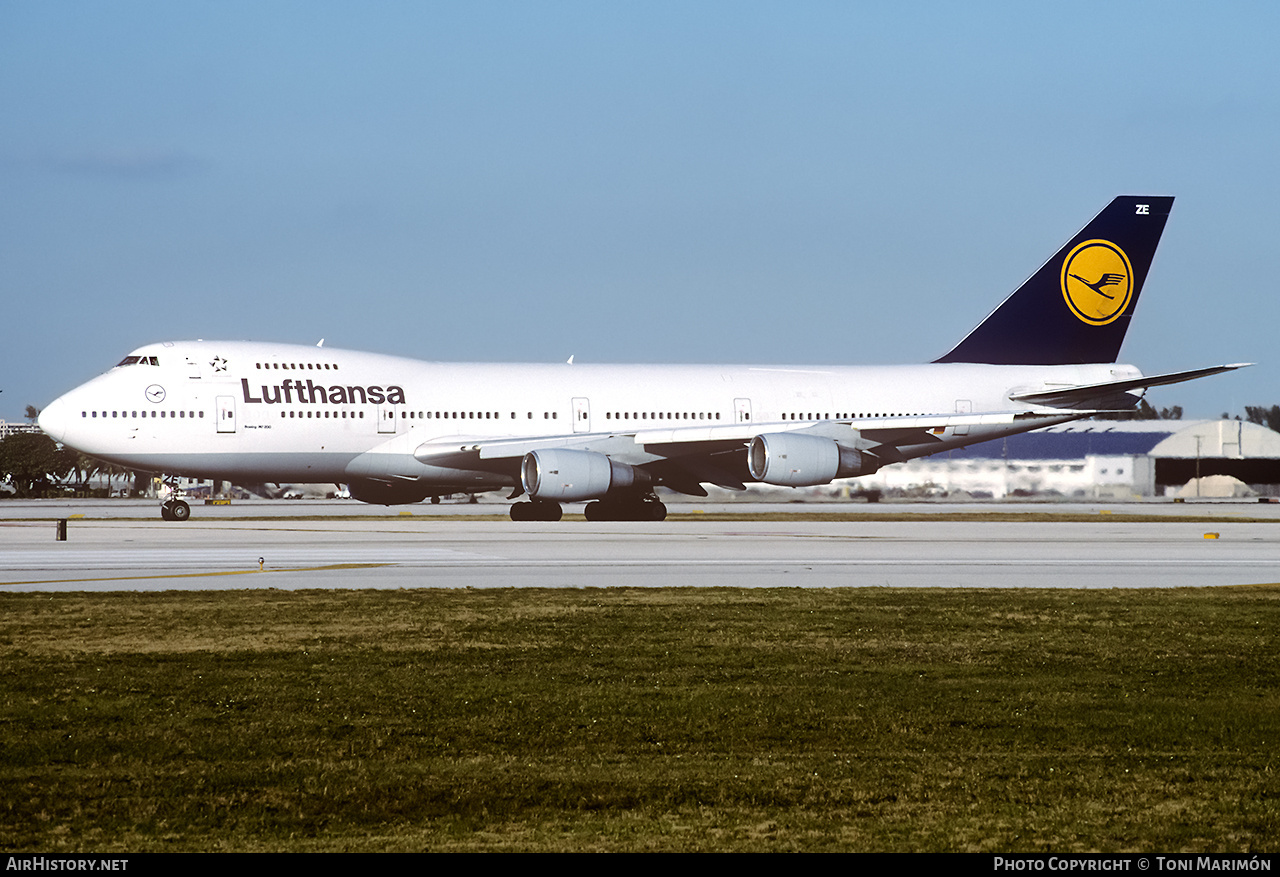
pixel 289 392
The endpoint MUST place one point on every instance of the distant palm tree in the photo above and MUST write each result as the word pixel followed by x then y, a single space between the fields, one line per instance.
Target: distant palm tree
pixel 1268 417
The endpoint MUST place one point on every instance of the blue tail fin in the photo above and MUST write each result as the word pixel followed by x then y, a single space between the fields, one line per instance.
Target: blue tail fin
pixel 1077 307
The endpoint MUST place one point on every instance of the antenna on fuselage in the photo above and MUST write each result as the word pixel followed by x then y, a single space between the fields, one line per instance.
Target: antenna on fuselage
pixel 321 344
pixel 569 361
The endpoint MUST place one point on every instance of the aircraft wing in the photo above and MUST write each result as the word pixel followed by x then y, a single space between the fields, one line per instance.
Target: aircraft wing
pixel 683 458
pixel 629 445
pixel 1111 395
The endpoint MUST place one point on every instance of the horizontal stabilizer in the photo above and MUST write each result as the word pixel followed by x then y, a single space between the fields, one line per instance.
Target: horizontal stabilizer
pixel 1095 396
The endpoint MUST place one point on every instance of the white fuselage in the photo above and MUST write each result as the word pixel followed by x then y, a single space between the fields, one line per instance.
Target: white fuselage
pixel 276 412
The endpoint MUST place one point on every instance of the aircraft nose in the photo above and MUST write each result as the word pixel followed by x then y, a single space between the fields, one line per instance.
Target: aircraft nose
pixel 53 419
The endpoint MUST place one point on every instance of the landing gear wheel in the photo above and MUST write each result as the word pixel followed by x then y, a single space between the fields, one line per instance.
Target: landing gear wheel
pixel 646 510
pixel 545 510
pixel 538 510
pixel 175 510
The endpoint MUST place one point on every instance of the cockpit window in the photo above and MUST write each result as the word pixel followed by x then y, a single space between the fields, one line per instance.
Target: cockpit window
pixel 139 360
pixel 128 360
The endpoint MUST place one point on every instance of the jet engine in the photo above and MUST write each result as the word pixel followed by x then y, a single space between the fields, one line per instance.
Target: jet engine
pixel 564 475
pixel 791 460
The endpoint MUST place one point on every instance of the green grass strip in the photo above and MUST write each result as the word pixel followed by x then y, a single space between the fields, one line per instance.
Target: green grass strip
pixel 620 719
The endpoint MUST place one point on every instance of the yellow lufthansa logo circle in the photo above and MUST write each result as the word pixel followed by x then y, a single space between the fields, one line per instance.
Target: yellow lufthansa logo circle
pixel 1097 282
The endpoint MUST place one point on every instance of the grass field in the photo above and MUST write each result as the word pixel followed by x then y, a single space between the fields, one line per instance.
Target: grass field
pixel 679 719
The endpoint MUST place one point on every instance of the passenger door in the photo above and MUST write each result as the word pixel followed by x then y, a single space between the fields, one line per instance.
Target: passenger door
pixel 581 415
pixel 226 413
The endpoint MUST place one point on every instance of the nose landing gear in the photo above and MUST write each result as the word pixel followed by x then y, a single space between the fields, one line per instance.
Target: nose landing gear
pixel 175 510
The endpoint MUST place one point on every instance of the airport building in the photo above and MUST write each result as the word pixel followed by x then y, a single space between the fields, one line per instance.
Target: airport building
pixel 1100 459
pixel 9 427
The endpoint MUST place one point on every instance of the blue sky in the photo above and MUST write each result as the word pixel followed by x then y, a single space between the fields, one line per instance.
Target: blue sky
pixel 625 182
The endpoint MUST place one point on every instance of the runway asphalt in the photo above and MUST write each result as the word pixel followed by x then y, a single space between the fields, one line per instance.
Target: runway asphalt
pixel 213 551
pixel 258 508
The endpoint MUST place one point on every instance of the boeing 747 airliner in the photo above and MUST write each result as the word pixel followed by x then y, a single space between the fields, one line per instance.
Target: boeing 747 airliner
pixel 400 430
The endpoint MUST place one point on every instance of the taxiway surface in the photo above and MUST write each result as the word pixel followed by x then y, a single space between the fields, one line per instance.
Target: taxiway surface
pixel 431 552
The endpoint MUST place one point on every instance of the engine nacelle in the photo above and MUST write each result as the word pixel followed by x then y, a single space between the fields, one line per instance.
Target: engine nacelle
pixel 567 475
pixel 791 460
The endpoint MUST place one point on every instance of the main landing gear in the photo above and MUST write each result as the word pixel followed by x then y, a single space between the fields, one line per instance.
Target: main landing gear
pixel 538 510
pixel 175 510
pixel 601 510
pixel 617 510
